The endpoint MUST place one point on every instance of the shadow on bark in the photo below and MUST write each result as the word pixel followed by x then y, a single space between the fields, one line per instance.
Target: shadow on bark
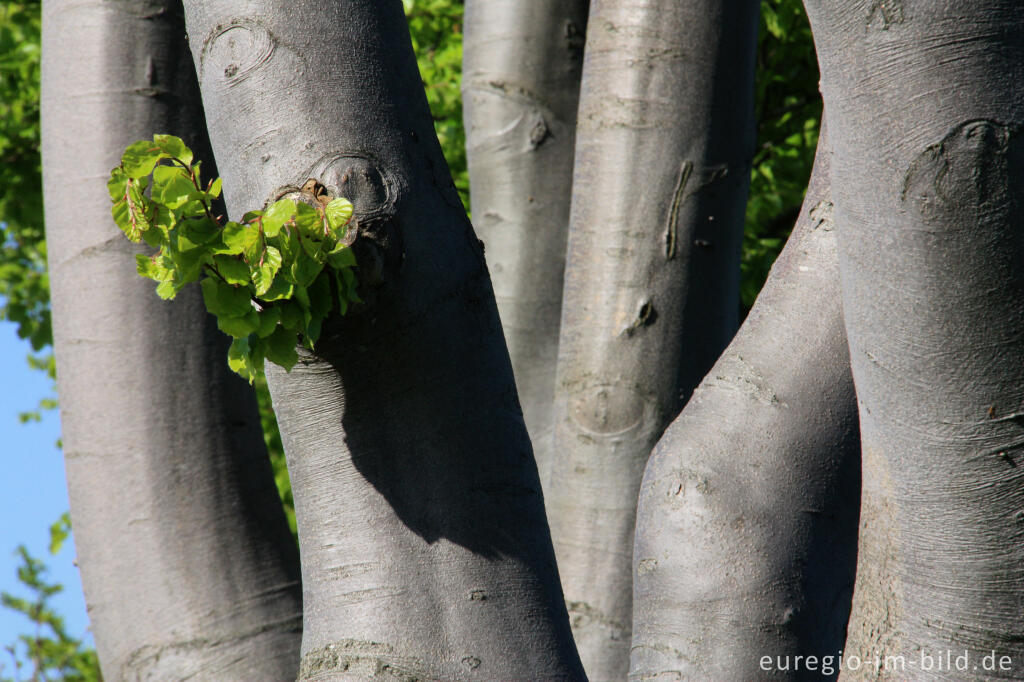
pixel 433 422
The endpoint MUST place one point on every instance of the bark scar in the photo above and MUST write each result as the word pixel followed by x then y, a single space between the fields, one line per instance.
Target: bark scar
pixel 708 177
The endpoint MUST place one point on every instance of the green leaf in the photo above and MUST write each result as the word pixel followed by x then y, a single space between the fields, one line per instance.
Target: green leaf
pixel 232 269
pixel 339 212
pixel 288 244
pixel 200 230
pixel 242 239
pixel 314 248
pixel 312 331
pixel 304 269
pixel 341 257
pixel 140 157
pixel 263 273
pixel 281 348
pixel 291 316
pixel 215 188
pixel 131 216
pixel 239 327
pixel 225 300
pixel 269 318
pixel 153 267
pixel 244 360
pixel 307 219
pixel 320 301
pixel 342 289
pixel 187 262
pixel 118 184
pixel 173 147
pixel 351 282
pixel 280 289
pixel 172 186
pixel 154 236
pixel 168 290
pixel 279 213
pixel 119 211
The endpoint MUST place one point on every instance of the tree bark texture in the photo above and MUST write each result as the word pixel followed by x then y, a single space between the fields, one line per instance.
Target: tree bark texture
pixel 520 87
pixel 426 552
pixel 926 111
pixel 665 135
pixel 188 566
pixel 747 524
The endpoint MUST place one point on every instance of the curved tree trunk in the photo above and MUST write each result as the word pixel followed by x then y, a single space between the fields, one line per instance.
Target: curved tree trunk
pixel 426 552
pixel 747 525
pixel 665 135
pixel 520 88
pixel 926 111
pixel 188 566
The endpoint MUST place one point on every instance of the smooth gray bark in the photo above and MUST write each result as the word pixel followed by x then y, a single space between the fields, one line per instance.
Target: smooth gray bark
pixel 188 566
pixel 425 549
pixel 926 110
pixel 664 138
pixel 520 87
pixel 746 536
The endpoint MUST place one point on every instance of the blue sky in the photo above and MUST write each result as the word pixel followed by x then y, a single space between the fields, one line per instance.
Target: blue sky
pixel 33 493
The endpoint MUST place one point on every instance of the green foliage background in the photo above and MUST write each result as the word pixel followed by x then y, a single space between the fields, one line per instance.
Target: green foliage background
pixel 788 108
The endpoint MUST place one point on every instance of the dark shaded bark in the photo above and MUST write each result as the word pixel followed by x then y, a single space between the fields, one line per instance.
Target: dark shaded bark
pixel 664 140
pixel 520 85
pixel 188 566
pixel 426 553
pixel 925 107
pixel 747 525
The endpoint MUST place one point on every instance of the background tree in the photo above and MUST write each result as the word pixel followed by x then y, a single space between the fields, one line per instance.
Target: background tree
pixel 521 91
pixel 760 474
pixel 187 562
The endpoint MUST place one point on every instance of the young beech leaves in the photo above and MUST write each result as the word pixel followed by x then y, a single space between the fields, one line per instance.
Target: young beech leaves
pixel 270 280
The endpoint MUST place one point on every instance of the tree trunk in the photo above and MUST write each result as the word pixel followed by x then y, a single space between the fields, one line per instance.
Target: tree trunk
pixel 926 110
pixel 426 553
pixel 520 88
pixel 188 566
pixel 665 136
pixel 747 523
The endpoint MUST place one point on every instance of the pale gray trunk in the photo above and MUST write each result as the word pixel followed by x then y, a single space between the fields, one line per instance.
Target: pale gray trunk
pixel 747 525
pixel 926 112
pixel 188 566
pixel 425 549
pixel 664 139
pixel 520 89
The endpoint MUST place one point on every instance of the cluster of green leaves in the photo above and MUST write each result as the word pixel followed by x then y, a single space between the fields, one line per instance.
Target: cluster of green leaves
pixel 270 279
pixel 436 30
pixel 788 109
pixel 50 652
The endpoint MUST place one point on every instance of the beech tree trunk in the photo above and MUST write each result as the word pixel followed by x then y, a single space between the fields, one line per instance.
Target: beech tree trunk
pixel 926 111
pixel 520 87
pixel 747 524
pixel 426 552
pixel 187 562
pixel 665 135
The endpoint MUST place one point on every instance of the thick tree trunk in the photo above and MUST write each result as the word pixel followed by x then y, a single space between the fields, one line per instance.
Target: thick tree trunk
pixel 425 549
pixel 520 88
pixel 926 111
pixel 188 566
pixel 664 139
pixel 747 525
